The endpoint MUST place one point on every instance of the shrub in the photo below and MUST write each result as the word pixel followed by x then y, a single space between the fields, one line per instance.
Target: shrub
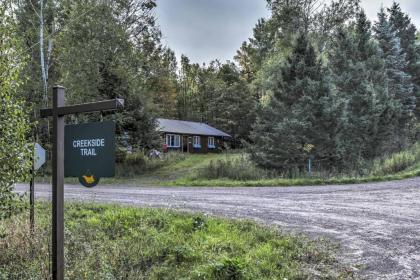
pixel 229 269
pixel 199 223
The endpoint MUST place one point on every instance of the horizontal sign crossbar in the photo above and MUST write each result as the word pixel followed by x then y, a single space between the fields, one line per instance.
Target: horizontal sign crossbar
pixel 109 105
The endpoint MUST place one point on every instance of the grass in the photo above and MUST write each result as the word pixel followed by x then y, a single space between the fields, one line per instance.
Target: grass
pixel 141 170
pixel 235 169
pixel 195 182
pixel 110 242
pixel 192 163
pixel 240 171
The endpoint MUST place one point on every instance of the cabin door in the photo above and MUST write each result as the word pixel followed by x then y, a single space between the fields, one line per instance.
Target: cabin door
pixel 185 144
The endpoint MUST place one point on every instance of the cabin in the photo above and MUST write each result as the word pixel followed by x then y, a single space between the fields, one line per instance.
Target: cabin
pixel 191 137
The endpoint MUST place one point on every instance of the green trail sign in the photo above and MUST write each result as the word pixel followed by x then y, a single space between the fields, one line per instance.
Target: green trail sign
pixel 74 160
pixel 89 152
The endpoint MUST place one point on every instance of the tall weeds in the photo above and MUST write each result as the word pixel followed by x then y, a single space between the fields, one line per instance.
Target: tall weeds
pixel 235 168
pixel 137 163
pixel 241 168
pixel 394 163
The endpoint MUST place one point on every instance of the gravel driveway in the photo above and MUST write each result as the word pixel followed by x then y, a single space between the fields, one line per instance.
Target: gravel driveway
pixel 377 224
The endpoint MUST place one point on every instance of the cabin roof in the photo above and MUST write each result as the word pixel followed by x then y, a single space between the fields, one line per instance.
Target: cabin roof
pixel 187 127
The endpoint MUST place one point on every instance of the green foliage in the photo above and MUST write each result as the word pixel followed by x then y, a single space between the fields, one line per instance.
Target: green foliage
pixel 406 32
pixel 233 107
pixel 164 85
pixel 109 242
pixel 232 172
pixel 298 110
pixel 275 36
pixel 399 81
pixel 229 269
pixel 101 55
pixel 367 124
pixel 397 162
pixel 199 223
pixel 351 102
pixel 234 168
pixel 311 76
pixel 135 164
pixel 216 94
pixel 103 50
pixel 14 126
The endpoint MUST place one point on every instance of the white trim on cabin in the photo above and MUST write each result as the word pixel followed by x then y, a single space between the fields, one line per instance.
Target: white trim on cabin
pixel 173 140
pixel 196 142
pixel 210 143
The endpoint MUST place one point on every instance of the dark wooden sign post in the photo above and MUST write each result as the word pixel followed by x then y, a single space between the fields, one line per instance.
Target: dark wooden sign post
pixel 58 112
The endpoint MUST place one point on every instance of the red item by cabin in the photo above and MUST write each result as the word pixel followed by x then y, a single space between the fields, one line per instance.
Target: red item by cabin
pixel 165 147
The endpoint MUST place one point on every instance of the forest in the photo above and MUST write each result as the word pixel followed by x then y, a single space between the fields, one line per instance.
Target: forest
pixel 318 82
pixel 315 80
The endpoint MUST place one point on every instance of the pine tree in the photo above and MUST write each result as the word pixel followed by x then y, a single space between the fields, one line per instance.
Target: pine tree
pixel 296 107
pixel 358 72
pixel 406 31
pixel 277 33
pixel 399 82
pixel 234 104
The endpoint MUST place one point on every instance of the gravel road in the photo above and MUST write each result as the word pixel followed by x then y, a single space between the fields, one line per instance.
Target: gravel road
pixel 377 224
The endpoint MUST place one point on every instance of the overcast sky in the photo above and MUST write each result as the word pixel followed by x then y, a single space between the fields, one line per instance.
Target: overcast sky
pixel 208 29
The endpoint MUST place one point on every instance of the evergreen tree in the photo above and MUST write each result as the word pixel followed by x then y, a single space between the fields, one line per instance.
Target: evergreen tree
pixel 399 81
pixel 234 105
pixel 358 73
pixel 288 18
pixel 293 116
pixel 406 31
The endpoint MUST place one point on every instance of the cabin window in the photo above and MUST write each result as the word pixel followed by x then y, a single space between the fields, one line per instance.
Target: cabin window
pixel 196 142
pixel 173 140
pixel 211 143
